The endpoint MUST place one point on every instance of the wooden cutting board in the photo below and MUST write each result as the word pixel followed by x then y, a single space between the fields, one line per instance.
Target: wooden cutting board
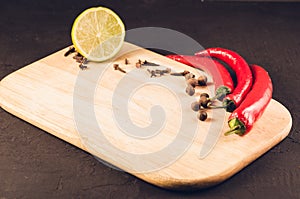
pixel 142 125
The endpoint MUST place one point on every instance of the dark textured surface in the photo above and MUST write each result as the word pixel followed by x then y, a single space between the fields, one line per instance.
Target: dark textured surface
pixel 35 164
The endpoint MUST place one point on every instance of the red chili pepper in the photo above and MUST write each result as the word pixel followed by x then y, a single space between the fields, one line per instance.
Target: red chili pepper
pixel 242 119
pixel 243 74
pixel 223 81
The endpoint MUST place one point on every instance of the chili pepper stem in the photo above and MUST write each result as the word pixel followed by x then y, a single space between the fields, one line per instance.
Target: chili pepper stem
pixel 235 130
pixel 218 96
pixel 215 107
pixel 229 104
pixel 221 92
pixel 236 127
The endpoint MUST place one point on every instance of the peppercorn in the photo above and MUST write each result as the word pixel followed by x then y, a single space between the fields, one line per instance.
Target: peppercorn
pixel 195 106
pixel 205 103
pixel 202 115
pixel 204 94
pixel 190 90
pixel 204 100
pixel 202 80
pixel 193 82
pixel 189 76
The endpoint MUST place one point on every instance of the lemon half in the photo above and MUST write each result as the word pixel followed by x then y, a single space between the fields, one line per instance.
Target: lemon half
pixel 98 34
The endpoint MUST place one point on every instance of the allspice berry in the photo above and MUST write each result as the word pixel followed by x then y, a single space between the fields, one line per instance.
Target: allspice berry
pixel 202 115
pixel 204 100
pixel 195 106
pixel 189 76
pixel 204 103
pixel 202 80
pixel 204 95
pixel 190 90
pixel 192 81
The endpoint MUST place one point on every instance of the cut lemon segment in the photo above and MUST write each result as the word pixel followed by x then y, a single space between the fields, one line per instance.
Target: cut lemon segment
pixel 98 34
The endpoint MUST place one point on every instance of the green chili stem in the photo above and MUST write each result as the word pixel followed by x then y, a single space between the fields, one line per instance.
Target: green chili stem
pixel 221 92
pixel 215 107
pixel 236 127
pixel 235 130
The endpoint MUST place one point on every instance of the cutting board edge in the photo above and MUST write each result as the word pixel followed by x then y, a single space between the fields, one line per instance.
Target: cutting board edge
pixel 71 140
pixel 202 183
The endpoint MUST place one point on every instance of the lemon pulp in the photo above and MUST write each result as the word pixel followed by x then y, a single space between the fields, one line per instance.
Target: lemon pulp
pixel 98 34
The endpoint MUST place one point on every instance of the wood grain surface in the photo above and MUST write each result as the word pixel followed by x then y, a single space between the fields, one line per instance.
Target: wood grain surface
pixel 47 94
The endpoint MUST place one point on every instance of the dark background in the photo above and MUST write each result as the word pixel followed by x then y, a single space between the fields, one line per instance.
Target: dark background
pixel 34 164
